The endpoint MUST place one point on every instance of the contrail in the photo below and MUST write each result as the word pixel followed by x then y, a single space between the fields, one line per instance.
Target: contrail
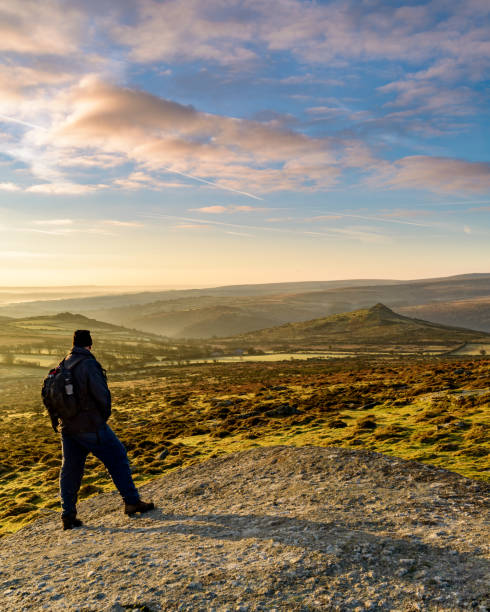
pixel 198 178
pixel 26 123
pixel 235 225
pixel 368 218
pixel 191 176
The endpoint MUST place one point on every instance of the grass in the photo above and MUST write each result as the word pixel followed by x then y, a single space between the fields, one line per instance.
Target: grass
pixel 431 410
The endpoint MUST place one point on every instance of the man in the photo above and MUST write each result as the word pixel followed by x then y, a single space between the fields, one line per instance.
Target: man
pixel 88 432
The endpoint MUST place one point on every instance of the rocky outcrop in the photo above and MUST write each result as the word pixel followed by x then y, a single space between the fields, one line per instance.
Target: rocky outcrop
pixel 278 528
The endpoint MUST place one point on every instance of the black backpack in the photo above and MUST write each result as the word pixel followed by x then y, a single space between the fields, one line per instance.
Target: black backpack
pixel 59 393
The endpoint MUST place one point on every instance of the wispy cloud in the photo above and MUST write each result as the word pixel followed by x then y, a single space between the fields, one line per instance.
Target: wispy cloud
pixel 8 119
pixel 64 188
pixel 138 180
pixel 437 174
pixel 239 234
pixel 479 209
pixel 231 208
pixel 22 254
pixel 191 226
pixel 67 231
pixel 8 186
pixel 383 219
pixel 117 223
pixel 354 233
pixel 53 222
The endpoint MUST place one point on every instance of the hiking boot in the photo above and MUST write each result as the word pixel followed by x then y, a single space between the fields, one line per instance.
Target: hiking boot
pixel 70 521
pixel 139 506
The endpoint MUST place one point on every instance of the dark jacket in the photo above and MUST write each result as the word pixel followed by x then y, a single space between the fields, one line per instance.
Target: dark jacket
pixel 90 387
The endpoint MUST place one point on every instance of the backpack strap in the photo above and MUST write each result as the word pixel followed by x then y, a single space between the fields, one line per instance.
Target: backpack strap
pixel 74 363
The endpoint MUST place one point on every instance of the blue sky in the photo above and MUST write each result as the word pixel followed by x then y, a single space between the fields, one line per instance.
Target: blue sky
pixel 186 142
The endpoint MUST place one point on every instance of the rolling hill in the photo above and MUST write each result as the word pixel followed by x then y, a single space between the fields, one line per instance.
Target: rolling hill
pixel 203 315
pixel 473 312
pixel 60 327
pixel 228 311
pixel 375 326
pixel 32 342
pixel 64 299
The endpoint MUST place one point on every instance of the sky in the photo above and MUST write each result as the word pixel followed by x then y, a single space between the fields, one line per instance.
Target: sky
pixel 181 142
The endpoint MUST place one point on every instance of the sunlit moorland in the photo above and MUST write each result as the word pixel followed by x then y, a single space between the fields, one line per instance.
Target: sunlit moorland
pixel 171 411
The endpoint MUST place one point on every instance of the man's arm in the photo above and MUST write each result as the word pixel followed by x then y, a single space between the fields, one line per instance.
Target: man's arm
pixel 97 387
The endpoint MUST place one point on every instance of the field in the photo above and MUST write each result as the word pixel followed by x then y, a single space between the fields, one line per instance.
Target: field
pixel 434 410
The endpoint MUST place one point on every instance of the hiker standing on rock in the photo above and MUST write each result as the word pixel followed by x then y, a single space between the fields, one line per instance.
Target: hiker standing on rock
pixel 76 394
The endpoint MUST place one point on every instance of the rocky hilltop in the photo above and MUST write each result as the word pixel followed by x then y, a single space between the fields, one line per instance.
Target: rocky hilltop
pixel 377 325
pixel 277 528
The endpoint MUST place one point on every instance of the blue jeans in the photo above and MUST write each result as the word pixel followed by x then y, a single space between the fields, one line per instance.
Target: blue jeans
pixel 107 447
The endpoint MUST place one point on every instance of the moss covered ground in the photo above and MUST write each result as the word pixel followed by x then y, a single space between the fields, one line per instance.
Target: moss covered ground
pixel 434 410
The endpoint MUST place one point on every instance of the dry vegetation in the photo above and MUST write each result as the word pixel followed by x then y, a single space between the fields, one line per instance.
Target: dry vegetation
pixel 432 410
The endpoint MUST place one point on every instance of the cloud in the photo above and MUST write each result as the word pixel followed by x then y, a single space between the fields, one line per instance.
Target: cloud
pixel 65 227
pixel 361 234
pixel 226 209
pixel 163 136
pixel 234 33
pixel 67 231
pixel 64 188
pixel 239 234
pixel 53 222
pixel 428 96
pixel 191 226
pixel 95 124
pixel 384 219
pixel 441 174
pixel 219 32
pixel 17 82
pixel 358 234
pixel 325 110
pixel 211 209
pixel 140 180
pixel 100 160
pixel 21 254
pixel 117 223
pixel 8 186
pixel 44 28
pixel 309 79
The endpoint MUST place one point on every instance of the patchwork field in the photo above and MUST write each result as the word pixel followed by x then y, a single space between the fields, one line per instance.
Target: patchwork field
pixel 433 410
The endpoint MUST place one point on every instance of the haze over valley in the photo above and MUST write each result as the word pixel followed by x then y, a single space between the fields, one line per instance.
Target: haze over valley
pixel 461 301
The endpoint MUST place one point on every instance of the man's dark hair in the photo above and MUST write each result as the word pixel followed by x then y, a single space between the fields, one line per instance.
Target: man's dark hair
pixel 82 338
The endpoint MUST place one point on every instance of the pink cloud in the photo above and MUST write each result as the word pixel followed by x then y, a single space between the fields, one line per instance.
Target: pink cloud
pixel 47 27
pixel 214 210
pixel 318 32
pixel 161 135
pixel 439 174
